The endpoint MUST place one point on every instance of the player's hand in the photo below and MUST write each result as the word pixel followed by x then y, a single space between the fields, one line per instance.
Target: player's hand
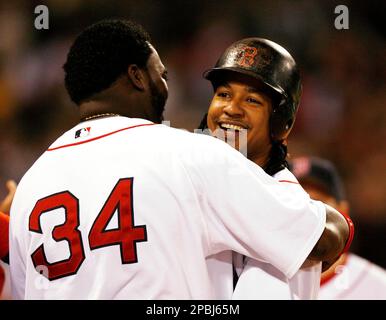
pixel 5 204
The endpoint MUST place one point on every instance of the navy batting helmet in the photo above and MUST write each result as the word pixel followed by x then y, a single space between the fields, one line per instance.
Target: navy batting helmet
pixel 274 66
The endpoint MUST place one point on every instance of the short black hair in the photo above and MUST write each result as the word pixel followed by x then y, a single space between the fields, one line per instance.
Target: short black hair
pixel 102 53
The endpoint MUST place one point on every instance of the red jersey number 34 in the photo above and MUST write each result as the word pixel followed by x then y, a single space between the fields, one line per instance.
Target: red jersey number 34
pixel 126 235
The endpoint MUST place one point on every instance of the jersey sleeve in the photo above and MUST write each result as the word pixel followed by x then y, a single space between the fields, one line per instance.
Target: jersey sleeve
pixel 247 211
pixel 4 233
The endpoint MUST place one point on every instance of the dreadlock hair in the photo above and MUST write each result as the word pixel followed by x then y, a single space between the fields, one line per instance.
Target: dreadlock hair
pixel 102 53
pixel 277 158
pixel 204 124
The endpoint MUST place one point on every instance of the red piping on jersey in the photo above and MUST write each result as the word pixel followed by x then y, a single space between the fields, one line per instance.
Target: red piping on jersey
pixel 100 137
pixel 289 181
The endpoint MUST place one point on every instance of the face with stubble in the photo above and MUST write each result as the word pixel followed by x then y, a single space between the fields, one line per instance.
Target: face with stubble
pixel 158 87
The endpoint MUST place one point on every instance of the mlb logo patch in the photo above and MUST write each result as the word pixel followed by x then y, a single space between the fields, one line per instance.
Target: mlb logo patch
pixel 84 132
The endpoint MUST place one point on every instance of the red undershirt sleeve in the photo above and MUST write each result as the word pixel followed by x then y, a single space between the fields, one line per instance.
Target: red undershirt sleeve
pixel 4 235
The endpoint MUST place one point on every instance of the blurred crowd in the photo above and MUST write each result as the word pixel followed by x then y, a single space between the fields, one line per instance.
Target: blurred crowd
pixel 342 116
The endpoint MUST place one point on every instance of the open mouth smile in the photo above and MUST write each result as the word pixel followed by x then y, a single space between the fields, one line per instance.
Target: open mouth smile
pixel 230 126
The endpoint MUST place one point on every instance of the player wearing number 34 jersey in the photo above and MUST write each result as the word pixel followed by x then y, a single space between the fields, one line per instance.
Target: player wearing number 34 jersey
pixel 120 207
pixel 135 207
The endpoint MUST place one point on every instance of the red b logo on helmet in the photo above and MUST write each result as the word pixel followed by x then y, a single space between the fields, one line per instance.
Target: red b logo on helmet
pixel 247 58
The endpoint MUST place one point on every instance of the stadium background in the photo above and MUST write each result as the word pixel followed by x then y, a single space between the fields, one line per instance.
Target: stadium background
pixel 342 116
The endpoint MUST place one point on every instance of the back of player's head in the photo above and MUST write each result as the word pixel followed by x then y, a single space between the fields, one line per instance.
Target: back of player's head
pixel 320 173
pixel 101 54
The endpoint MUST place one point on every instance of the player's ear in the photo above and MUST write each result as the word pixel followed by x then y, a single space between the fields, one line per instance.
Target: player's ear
pixel 136 76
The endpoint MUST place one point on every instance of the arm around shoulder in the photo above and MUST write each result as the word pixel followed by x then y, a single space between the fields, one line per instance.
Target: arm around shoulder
pixel 336 238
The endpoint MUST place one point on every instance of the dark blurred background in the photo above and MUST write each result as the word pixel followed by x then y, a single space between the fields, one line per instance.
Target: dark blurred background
pixel 342 116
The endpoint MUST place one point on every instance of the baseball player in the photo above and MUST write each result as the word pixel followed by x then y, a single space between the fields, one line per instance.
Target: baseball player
pixel 257 89
pixel 351 277
pixel 121 207
pixel 5 282
pixel 4 226
pixel 5 206
pixel 4 221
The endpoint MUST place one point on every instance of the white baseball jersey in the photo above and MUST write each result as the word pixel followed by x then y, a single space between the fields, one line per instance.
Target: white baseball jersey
pixel 262 281
pixel 357 279
pixel 121 208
